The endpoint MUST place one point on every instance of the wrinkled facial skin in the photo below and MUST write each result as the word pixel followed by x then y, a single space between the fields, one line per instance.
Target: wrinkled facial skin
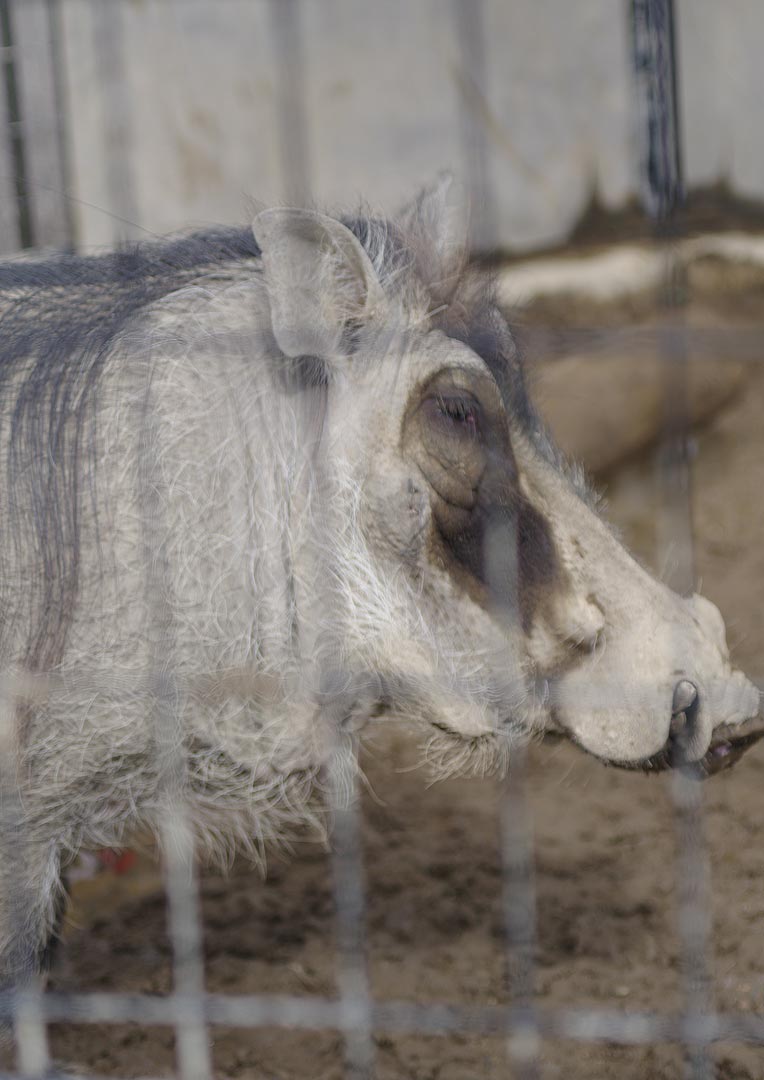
pixel 485 531
pixel 517 572
pixel 469 573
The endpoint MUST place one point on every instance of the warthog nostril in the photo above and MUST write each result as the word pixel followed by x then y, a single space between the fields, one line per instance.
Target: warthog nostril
pixel 683 712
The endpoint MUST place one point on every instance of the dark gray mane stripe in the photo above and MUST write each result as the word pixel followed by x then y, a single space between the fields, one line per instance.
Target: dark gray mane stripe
pixel 61 317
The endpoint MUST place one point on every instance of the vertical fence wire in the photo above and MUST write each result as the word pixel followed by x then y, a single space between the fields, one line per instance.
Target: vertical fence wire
pixel 350 914
pixel 290 59
pixel 18 879
pixel 348 884
pixel 345 817
pixel 182 891
pixel 655 64
pixel 520 919
pixel 66 226
pixel 516 834
pixel 165 699
pixel 109 50
pixel 469 28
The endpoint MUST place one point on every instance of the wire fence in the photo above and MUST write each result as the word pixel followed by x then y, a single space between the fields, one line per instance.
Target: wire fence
pixel 524 1022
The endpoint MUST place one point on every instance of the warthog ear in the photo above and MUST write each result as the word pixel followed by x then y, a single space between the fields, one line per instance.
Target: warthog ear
pixel 430 203
pixel 434 228
pixel 319 279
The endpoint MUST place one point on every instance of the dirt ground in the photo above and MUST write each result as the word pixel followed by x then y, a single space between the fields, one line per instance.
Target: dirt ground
pixel 605 871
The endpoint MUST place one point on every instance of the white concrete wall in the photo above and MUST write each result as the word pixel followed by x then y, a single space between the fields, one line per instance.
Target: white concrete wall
pixel 182 124
pixel 723 92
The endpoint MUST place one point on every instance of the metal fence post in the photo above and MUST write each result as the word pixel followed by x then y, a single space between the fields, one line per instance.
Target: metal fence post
pixel 14 225
pixel 654 56
pixel 41 107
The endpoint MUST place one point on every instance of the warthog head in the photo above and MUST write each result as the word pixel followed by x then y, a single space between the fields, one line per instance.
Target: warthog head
pixel 468 568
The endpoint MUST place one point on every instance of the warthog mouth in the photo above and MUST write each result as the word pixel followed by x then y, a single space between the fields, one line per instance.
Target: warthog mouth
pixel 729 743
pixel 481 754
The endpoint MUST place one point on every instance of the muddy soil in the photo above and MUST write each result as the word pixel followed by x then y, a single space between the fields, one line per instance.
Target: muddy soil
pixel 605 871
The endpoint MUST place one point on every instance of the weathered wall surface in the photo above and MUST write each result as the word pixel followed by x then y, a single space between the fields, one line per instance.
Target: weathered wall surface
pixel 196 107
pixel 723 92
pixel 185 111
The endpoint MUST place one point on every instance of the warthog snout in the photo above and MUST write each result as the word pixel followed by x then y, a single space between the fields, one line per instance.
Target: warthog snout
pixel 655 685
pixel 677 701
pixel 695 737
pixel 727 741
pixel 714 715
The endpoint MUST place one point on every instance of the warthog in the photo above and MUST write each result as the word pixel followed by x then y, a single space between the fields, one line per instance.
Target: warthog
pixel 263 485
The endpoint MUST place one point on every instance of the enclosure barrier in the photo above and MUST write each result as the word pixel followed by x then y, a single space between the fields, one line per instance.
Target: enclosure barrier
pixel 34 210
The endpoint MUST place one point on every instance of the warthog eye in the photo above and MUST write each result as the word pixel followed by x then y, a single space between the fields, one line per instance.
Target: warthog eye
pixel 461 413
pixel 456 432
pixel 486 532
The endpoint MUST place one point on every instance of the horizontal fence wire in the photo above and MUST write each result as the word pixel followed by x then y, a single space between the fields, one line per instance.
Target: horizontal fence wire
pixel 575 1023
